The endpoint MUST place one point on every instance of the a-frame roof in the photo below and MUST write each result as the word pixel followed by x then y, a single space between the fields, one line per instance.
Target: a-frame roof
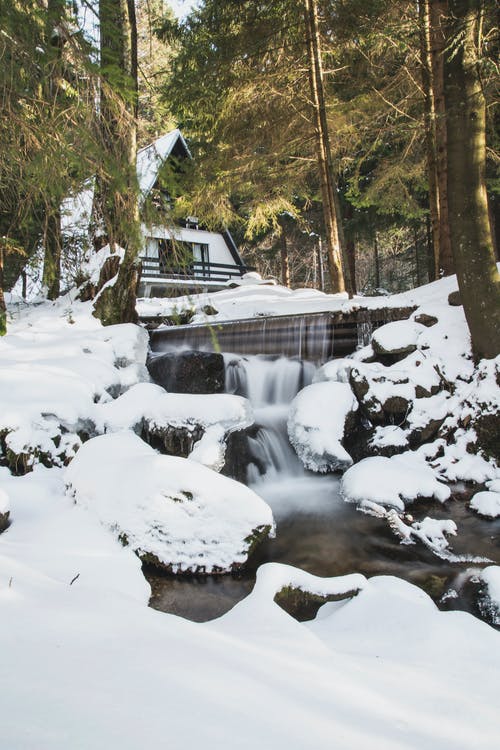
pixel 151 158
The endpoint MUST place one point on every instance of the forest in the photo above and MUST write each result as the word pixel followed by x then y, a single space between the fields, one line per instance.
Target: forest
pixel 348 145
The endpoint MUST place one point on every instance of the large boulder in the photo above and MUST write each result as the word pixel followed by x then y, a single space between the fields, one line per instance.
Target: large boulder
pixel 399 337
pixel 188 372
pixel 175 514
pixel 174 422
pixel 320 415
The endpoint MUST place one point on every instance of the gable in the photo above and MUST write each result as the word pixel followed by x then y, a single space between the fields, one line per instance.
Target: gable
pixel 151 158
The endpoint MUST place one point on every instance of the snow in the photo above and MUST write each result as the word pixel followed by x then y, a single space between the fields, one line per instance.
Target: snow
pixel 486 504
pixel 337 370
pixel 383 668
pixel 316 425
pixel 389 435
pixel 399 336
pixel 432 532
pixel 255 677
pixel 152 404
pixel 390 482
pixel 94 262
pixel 175 511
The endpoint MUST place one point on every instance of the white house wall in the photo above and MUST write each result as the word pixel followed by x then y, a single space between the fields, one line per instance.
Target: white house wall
pixel 218 251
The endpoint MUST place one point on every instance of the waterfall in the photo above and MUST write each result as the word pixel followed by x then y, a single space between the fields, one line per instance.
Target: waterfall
pixel 270 384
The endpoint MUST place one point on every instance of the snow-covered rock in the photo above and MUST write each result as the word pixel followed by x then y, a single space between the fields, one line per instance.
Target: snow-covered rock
pixel 337 370
pixel 173 513
pixel 317 422
pixel 490 604
pixel 176 421
pixel 390 482
pixel 4 509
pixel 486 504
pixel 399 337
pixel 433 532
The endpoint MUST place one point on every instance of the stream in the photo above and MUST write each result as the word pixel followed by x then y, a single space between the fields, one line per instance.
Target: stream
pixel 316 530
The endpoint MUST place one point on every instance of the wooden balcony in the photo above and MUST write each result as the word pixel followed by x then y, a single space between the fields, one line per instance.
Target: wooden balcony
pixel 154 268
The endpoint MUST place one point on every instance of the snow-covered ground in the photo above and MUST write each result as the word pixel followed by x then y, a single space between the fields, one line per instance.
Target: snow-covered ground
pixel 86 663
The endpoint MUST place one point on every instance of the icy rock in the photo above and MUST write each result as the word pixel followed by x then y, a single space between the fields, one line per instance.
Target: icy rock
pixel 490 604
pixel 390 482
pixel 382 395
pixel 425 319
pixel 188 372
pixel 320 416
pixel 486 504
pixel 399 337
pixel 454 299
pixel 4 510
pixel 337 370
pixel 175 514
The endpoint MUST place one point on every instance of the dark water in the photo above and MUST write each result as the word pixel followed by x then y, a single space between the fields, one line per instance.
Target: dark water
pixel 320 533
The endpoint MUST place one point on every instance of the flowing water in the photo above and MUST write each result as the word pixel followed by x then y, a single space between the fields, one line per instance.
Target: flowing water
pixel 316 529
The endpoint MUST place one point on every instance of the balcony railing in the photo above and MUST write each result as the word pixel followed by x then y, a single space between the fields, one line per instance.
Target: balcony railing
pixel 196 270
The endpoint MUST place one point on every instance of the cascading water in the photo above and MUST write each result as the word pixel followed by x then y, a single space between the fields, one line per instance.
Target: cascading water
pixel 316 529
pixel 270 385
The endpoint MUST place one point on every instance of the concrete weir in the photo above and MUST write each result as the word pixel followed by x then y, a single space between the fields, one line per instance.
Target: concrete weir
pixel 316 337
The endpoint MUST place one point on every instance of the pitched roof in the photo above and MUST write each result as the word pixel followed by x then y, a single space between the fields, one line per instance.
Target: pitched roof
pixel 150 158
pixel 77 208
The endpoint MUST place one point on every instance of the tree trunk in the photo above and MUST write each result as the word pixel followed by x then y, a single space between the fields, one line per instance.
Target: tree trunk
pixel 471 242
pixel 438 11
pixel 285 263
pixel 117 187
pixel 51 277
pixel 331 213
pixel 52 236
pixel 417 259
pixel 3 308
pixel 376 261
pixel 430 130
pixel 321 274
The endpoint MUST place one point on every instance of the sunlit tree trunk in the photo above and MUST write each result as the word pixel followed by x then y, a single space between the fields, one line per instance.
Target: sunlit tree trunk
pixel 117 187
pixel 331 212
pixel 52 237
pixel 284 259
pixel 471 240
pixel 3 309
pixel 438 11
pixel 430 133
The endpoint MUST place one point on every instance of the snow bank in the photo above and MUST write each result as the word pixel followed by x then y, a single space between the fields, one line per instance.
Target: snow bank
pixel 57 365
pixel 173 513
pixel 486 504
pixel 390 482
pixel 316 425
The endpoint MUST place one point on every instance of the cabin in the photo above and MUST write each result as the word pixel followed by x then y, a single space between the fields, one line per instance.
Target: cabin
pixel 177 258
pixel 182 256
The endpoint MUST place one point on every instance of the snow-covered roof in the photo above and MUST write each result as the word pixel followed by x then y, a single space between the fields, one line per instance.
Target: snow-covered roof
pixel 77 209
pixel 150 158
